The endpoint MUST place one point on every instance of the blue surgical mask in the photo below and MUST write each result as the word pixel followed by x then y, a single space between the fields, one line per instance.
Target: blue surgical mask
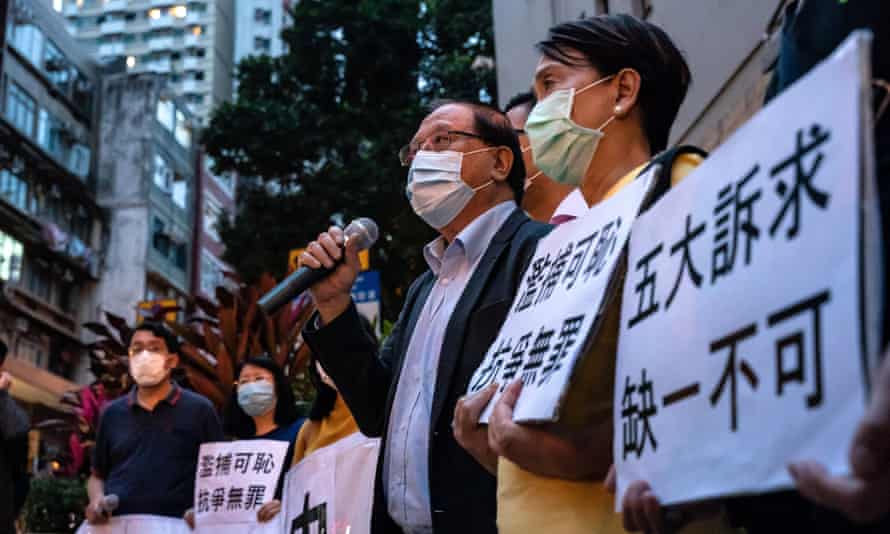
pixel 256 398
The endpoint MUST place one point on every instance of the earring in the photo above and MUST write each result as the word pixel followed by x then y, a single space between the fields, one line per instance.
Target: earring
pixel 617 109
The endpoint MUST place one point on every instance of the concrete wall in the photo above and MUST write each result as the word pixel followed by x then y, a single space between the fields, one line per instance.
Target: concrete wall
pixel 125 159
pixel 723 42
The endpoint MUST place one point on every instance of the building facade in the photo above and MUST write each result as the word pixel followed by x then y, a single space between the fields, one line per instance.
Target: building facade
pixel 729 68
pixel 52 230
pixel 215 200
pixel 258 25
pixel 146 181
pixel 190 40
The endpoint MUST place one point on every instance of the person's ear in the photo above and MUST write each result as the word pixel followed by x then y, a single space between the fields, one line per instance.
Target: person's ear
pixel 627 83
pixel 503 163
pixel 172 360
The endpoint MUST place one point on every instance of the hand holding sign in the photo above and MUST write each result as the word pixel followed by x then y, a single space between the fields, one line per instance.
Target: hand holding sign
pixel 862 496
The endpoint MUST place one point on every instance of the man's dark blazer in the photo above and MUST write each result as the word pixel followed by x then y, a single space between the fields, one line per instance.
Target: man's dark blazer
pixel 462 492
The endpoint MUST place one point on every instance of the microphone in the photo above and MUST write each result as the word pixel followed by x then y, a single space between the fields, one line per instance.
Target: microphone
pixel 363 230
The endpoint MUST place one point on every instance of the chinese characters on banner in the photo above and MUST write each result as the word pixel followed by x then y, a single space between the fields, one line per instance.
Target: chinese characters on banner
pixel 741 346
pixel 557 303
pixel 235 479
pixel 332 490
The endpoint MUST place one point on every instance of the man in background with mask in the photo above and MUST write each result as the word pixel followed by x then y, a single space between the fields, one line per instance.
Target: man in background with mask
pixel 465 179
pixel 146 450
pixel 542 195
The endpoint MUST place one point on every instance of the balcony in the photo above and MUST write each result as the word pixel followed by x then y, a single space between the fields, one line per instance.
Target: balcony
pixel 194 17
pixel 113 26
pixel 161 43
pixel 115 5
pixel 111 49
pixel 195 40
pixel 71 9
pixel 192 63
pixel 161 66
pixel 162 22
pixel 162 3
pixel 192 86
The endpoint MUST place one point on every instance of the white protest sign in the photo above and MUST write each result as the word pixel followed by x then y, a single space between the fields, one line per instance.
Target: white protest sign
pixel 557 304
pixel 741 344
pixel 235 479
pixel 137 524
pixel 332 489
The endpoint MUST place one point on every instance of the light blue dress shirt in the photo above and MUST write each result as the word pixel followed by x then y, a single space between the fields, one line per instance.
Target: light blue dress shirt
pixel 406 465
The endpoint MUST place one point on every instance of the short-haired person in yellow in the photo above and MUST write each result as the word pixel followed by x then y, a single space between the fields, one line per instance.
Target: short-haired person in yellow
pixel 608 89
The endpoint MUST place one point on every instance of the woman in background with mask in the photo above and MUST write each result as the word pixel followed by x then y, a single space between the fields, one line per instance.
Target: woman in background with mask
pixel 262 406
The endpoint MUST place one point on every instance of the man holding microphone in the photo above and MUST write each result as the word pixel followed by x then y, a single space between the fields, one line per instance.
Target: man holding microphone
pixel 465 180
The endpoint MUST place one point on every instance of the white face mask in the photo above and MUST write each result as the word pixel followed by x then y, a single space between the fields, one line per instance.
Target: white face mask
pixel 148 368
pixel 563 149
pixel 435 189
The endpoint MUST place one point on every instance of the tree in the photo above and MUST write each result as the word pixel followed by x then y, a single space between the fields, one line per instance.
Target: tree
pixel 319 128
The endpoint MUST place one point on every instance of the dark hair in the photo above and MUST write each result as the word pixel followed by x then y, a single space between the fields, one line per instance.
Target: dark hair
pixel 240 425
pixel 494 128
pixel 3 350
pixel 159 330
pixel 325 395
pixel 522 99
pixel 610 43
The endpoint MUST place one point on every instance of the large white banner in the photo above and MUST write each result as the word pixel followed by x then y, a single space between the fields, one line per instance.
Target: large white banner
pixel 234 480
pixel 137 524
pixel 332 489
pixel 556 306
pixel 742 336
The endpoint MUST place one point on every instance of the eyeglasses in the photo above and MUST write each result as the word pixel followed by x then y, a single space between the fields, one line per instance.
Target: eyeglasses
pixel 437 142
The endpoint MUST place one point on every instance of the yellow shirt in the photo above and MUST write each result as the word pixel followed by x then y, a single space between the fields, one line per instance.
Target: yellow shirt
pixel 528 503
pixel 314 435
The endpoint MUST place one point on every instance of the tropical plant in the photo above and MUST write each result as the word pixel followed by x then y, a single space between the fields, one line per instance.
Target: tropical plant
pixel 221 335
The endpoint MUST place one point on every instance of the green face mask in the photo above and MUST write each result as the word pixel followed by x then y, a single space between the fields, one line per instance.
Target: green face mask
pixel 561 148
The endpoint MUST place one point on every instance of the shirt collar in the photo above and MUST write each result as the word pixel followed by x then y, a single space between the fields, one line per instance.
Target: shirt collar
pixel 473 239
pixel 573 205
pixel 172 398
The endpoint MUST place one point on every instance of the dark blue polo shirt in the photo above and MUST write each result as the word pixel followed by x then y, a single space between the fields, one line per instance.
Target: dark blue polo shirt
pixel 148 459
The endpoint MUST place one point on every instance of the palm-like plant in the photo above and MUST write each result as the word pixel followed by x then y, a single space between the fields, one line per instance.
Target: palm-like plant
pixel 228 331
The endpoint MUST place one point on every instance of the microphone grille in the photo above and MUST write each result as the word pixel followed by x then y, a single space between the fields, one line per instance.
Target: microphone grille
pixel 364 230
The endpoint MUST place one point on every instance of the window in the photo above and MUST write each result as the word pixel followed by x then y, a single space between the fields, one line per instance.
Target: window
pixel 57 5
pixel 79 160
pixel 50 133
pixel 261 44
pixel 28 39
pixel 263 16
pixel 199 75
pixel 200 52
pixel 180 191
pixel 165 113
pixel 11 254
pixel 30 351
pixel 183 132
pixel 160 240
pixel 211 273
pixel 15 190
pixel 39 279
pixel 163 175
pixel 212 212
pixel 180 256
pixel 56 66
pixel 178 11
pixel 20 108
